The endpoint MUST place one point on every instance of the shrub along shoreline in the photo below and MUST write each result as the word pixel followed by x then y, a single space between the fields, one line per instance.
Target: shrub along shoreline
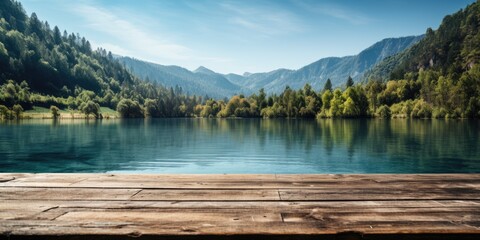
pixel 393 99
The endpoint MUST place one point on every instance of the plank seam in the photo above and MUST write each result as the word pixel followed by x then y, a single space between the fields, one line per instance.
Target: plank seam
pixel 55 218
pixel 135 194
pixel 48 209
pixel 223 188
pixel 81 180
pixel 7 180
pixel 187 201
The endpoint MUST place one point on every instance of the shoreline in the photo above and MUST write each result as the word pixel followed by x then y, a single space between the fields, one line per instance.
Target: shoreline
pixel 111 117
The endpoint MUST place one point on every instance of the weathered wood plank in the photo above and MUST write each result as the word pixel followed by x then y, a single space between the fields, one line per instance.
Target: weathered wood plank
pixel 55 210
pixel 241 181
pixel 207 195
pixel 133 216
pixel 374 177
pixel 66 193
pixel 13 205
pixel 117 205
pixel 325 194
pixel 233 227
pixel 365 193
pixel 243 184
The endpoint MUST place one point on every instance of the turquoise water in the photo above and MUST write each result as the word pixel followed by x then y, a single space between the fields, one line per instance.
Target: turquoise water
pixel 241 146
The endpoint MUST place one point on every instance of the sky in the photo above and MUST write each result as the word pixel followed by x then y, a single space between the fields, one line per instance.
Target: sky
pixel 244 35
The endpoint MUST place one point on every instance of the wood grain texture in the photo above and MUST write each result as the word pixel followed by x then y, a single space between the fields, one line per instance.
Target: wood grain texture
pixel 122 206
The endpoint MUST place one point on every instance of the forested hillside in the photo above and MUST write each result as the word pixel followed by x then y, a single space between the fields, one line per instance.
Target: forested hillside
pixel 50 61
pixel 442 69
pixel 452 49
pixel 44 66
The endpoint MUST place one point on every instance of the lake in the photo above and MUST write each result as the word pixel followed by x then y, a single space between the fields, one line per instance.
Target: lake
pixel 241 146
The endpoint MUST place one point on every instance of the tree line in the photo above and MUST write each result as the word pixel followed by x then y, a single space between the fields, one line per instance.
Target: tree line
pixel 427 94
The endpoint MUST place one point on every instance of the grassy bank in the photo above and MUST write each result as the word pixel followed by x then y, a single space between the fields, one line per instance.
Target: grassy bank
pixel 45 113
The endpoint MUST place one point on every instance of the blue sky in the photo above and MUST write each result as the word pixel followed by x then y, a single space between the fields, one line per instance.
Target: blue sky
pixel 241 36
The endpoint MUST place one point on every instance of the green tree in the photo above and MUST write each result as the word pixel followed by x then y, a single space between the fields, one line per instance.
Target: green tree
pixel 57 37
pixel 308 91
pixel 206 112
pixel 261 99
pixel 473 108
pixel 349 82
pixel 336 105
pixel 350 108
pixel 421 109
pixel 232 105
pixel 55 111
pixel 35 26
pixel 90 107
pixel 384 112
pixel 151 108
pixel 128 108
pixel 86 95
pixel 427 80
pixel 17 111
pixel 312 106
pixel 4 112
pixel 326 98
pixel 439 113
pixel 4 58
pixel 442 91
pixel 275 111
pixel 327 86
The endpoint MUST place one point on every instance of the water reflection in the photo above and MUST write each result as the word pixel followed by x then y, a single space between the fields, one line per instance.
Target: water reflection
pixel 240 146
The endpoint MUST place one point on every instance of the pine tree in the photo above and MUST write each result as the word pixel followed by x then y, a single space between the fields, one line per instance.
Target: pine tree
pixel 328 85
pixel 349 82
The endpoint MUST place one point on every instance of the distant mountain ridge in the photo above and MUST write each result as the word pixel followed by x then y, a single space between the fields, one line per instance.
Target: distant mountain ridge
pixel 204 81
pixel 338 69
pixel 200 82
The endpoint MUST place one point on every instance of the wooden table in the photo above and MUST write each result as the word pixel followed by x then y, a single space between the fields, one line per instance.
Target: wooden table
pixel 124 206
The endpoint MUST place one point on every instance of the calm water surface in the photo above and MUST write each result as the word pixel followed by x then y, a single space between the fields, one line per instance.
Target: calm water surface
pixel 241 146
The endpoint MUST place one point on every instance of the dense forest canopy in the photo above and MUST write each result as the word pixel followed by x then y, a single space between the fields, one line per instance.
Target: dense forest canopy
pixel 44 66
pixel 444 65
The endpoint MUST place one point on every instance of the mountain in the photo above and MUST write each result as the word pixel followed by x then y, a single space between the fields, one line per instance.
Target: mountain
pixel 234 78
pixel 338 69
pixel 452 49
pixel 200 82
pixel 204 70
pixel 203 81
pixel 256 81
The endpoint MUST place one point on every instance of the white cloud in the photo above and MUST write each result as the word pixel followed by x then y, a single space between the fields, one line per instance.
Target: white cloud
pixel 139 39
pixel 131 36
pixel 349 16
pixel 335 11
pixel 267 21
